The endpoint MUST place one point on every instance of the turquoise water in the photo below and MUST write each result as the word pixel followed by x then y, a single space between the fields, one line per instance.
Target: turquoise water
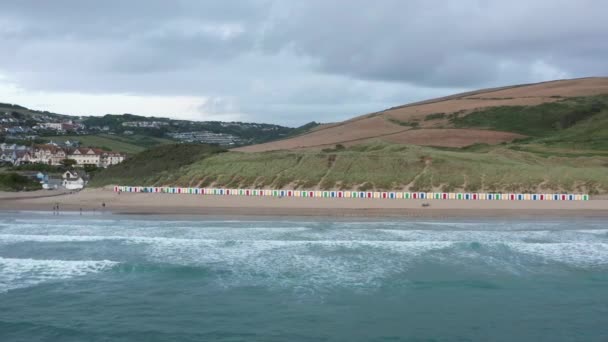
pixel 123 278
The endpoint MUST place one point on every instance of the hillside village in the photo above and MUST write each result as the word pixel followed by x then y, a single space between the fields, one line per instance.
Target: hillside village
pixel 55 155
pixel 18 123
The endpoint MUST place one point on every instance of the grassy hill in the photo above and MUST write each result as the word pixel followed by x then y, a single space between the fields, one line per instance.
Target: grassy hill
pixel 486 116
pixel 562 145
pixel 378 166
pixel 154 164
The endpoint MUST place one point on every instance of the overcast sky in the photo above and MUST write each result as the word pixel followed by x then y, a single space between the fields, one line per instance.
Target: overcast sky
pixel 285 62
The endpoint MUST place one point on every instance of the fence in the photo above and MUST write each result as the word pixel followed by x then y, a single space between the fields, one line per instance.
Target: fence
pixel 356 194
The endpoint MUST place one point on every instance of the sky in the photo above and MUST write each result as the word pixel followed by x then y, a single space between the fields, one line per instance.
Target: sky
pixel 286 62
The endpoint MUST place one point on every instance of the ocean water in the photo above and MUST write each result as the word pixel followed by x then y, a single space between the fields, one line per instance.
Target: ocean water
pixel 128 278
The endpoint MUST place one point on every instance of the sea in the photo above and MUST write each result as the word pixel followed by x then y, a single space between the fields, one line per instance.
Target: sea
pixel 104 277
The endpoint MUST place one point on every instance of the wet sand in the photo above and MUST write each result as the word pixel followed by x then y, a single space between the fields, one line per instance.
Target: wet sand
pixel 172 204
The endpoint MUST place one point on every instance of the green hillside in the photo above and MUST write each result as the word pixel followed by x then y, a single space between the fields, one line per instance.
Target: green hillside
pixel 566 150
pixel 582 121
pixel 149 166
pixel 375 166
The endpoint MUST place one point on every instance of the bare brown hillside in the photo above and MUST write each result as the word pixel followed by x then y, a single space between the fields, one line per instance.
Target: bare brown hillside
pixel 388 125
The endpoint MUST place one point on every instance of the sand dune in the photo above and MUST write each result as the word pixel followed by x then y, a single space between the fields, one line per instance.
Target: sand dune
pixel 379 125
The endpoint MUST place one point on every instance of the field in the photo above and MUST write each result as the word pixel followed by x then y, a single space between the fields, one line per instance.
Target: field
pixel 116 143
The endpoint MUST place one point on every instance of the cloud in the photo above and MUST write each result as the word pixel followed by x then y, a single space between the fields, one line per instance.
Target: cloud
pixel 288 62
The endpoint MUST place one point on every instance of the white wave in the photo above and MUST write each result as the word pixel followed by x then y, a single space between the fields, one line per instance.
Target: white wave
pixel 20 273
pixel 593 231
pixel 575 254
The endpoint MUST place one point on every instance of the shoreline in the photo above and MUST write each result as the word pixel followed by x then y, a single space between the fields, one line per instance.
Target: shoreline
pixel 91 200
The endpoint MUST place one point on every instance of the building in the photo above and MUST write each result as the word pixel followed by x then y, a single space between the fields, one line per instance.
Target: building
pixel 207 137
pixel 96 157
pixel 112 158
pixel 22 157
pixel 86 156
pixel 49 154
pixel 72 181
pixel 145 124
pixel 52 154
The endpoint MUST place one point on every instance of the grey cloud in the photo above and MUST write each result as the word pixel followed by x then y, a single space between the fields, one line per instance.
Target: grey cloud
pixel 296 61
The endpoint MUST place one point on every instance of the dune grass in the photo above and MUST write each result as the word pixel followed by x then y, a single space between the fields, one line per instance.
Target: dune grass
pixel 377 166
pixel 154 165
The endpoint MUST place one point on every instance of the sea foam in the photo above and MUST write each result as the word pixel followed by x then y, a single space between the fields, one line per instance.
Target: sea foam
pixel 20 273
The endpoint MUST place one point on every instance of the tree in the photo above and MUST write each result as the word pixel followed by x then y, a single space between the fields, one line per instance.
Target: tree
pixel 67 163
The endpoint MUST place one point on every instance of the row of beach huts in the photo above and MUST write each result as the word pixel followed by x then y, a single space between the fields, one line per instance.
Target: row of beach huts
pixel 355 194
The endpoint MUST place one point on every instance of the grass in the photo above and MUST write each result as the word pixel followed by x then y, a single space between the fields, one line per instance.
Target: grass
pixel 377 166
pixel 14 182
pixel 543 120
pixel 153 165
pixel 435 116
pixel 116 143
pixel 566 151
pixel 413 124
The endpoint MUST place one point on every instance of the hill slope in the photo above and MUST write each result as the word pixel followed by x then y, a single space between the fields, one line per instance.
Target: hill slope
pixel 432 123
pixel 378 166
pixel 561 146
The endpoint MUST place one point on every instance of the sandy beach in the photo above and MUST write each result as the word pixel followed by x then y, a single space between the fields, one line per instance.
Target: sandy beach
pixel 169 204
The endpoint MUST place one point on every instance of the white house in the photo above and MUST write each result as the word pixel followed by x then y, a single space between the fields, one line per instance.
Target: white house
pixel 86 156
pixel 72 181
